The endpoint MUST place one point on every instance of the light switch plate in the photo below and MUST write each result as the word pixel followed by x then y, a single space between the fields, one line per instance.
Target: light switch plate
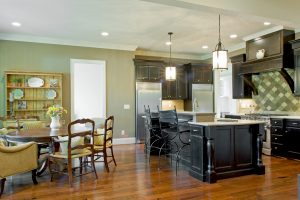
pixel 126 106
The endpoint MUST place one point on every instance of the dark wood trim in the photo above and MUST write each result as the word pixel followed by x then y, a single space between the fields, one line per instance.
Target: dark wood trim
pixel 249 82
pixel 2 186
pixel 288 79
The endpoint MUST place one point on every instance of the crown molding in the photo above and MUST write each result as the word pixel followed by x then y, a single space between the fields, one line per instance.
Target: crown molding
pixel 167 54
pixel 47 40
pixel 262 33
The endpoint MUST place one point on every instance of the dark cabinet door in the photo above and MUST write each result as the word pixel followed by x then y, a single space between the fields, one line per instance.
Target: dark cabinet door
pixel 155 73
pixel 142 73
pixel 202 75
pixel 168 89
pixel 297 71
pixel 243 147
pixel 224 148
pixel 182 90
pixel 240 90
pixel 292 136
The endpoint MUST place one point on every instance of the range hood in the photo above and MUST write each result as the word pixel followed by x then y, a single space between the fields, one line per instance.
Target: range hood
pixel 278 56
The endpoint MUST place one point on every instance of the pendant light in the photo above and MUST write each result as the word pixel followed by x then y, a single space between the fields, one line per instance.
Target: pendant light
pixel 170 70
pixel 220 55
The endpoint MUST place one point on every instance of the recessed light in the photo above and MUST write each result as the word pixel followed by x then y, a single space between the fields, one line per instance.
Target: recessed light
pixel 16 24
pixel 233 36
pixel 204 47
pixel 104 33
pixel 267 23
pixel 168 43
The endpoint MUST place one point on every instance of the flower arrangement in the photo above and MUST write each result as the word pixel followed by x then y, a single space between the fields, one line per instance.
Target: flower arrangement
pixel 54 111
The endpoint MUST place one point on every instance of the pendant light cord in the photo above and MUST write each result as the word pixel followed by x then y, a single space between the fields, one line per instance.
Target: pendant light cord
pixel 219 29
pixel 170 33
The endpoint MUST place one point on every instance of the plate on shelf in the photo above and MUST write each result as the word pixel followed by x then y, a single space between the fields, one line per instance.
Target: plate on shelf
pixel 18 93
pixel 51 94
pixel 53 82
pixel 35 82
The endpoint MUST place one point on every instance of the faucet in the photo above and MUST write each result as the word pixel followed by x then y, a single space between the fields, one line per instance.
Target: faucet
pixel 195 104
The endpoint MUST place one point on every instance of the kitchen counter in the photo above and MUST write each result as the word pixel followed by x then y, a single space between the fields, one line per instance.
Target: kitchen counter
pixel 227 122
pixel 224 149
pixel 196 116
pixel 286 117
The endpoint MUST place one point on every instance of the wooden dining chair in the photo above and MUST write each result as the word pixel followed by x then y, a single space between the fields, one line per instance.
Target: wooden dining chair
pixel 78 145
pixel 104 141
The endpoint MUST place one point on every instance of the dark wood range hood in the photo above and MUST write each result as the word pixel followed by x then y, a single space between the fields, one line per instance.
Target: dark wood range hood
pixel 278 56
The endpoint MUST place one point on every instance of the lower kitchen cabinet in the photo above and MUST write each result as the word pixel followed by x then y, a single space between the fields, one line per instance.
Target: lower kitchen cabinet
pixel 285 137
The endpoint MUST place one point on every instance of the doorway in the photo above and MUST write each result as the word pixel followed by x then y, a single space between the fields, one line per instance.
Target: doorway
pixel 88 89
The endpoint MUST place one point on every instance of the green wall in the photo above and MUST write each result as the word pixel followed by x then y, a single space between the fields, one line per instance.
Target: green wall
pixel 26 56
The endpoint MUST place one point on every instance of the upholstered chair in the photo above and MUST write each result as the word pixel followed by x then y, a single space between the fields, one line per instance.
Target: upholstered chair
pixel 18 159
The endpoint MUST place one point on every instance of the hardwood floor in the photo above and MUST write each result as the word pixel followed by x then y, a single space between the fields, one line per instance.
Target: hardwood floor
pixel 134 178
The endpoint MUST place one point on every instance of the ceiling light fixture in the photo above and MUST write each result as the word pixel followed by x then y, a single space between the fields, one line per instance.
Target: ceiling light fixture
pixel 267 23
pixel 16 24
pixel 170 70
pixel 204 47
pixel 168 43
pixel 104 33
pixel 232 36
pixel 220 56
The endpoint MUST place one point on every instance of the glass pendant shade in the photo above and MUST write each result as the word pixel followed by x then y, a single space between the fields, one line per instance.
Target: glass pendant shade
pixel 170 70
pixel 220 59
pixel 170 73
pixel 220 55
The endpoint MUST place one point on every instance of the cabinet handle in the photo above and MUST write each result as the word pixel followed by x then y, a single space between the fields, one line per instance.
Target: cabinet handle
pixel 294 123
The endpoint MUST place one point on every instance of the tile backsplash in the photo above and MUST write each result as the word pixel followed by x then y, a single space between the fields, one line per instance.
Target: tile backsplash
pixel 274 94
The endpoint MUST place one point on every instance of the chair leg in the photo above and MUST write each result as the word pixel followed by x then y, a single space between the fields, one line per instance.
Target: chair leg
pixel 33 172
pixel 2 185
pixel 93 165
pixel 80 163
pixel 112 154
pixel 105 160
pixel 70 172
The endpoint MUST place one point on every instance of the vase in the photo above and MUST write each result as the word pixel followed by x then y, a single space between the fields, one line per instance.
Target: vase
pixel 55 122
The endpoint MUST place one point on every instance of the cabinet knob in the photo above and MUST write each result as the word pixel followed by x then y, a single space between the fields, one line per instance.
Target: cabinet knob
pixel 275 122
pixel 275 147
pixel 275 129
pixel 286 131
pixel 275 138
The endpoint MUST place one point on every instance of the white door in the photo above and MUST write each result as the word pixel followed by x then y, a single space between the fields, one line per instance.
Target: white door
pixel 88 89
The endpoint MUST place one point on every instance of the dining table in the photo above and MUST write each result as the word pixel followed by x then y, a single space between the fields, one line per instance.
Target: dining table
pixel 44 138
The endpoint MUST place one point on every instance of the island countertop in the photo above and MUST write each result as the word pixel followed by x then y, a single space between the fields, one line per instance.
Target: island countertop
pixel 227 122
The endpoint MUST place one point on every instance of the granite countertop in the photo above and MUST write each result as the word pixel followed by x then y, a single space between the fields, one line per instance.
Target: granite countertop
pixel 193 113
pixel 286 117
pixel 225 122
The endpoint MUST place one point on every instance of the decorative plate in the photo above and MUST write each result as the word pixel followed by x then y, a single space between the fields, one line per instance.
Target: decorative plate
pixel 53 82
pixel 18 93
pixel 51 94
pixel 35 82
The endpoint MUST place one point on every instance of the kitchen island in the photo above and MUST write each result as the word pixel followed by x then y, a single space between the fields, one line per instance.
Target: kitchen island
pixel 226 148
pixel 196 116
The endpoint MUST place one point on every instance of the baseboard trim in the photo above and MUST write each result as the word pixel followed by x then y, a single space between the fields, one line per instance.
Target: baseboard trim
pixel 130 140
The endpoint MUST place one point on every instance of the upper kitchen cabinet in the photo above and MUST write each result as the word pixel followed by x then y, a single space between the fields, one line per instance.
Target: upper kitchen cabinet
pixel 176 89
pixel 150 71
pixel 202 74
pixel 240 89
pixel 181 83
pixel 296 48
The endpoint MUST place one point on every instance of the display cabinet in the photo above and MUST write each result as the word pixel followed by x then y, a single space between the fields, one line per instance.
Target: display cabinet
pixel 31 93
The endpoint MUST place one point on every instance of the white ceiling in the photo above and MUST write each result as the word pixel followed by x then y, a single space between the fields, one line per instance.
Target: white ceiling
pixel 142 24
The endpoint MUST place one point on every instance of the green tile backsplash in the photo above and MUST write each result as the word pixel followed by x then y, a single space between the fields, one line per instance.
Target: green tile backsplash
pixel 274 94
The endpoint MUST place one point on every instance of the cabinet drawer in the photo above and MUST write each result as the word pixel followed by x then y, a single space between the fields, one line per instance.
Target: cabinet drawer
pixel 276 131
pixel 277 139
pixel 293 123
pixel 276 122
pixel 277 149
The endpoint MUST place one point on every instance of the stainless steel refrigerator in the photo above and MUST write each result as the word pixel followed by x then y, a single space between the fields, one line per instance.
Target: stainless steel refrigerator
pixel 147 94
pixel 203 98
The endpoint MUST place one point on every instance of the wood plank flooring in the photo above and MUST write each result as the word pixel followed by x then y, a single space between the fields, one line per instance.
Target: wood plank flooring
pixel 135 178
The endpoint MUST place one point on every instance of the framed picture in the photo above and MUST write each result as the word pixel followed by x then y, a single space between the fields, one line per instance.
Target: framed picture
pixel 21 105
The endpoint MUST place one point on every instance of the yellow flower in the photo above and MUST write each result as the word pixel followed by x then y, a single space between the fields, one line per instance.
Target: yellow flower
pixel 54 111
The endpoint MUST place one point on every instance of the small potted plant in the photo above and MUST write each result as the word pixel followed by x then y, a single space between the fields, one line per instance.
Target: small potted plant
pixel 55 112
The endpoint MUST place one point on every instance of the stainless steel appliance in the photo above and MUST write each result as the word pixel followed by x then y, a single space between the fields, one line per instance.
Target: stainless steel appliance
pixel 147 94
pixel 203 98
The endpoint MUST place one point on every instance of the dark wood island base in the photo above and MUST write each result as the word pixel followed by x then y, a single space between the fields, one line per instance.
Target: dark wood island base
pixel 226 149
